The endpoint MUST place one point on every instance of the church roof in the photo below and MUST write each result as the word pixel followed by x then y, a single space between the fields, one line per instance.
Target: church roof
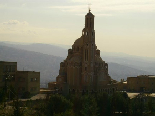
pixel 89 14
pixel 78 42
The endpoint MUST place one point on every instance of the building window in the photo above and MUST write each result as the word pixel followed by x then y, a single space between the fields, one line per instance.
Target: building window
pixel 87 22
pixel 85 55
pixel 86 79
pixel 77 48
pixel 86 33
pixel 31 79
pixel 35 79
pixel 13 78
pixel 90 22
pixel 13 68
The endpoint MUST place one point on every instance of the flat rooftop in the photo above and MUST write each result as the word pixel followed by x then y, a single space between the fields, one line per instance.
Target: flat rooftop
pixel 144 76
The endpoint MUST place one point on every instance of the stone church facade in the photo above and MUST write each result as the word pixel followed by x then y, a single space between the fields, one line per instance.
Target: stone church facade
pixel 84 69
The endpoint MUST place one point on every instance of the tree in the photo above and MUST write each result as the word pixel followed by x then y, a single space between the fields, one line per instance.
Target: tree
pixel 151 105
pixel 137 106
pixel 89 106
pixel 119 102
pixel 17 110
pixel 2 95
pixel 103 103
pixel 58 104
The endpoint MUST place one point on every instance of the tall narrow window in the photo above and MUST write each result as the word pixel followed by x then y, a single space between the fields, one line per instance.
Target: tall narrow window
pixel 87 22
pixel 90 22
pixel 85 55
pixel 85 68
pixel 73 80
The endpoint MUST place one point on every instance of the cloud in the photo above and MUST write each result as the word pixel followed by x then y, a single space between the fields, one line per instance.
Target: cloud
pixel 108 7
pixel 15 22
pixel 24 28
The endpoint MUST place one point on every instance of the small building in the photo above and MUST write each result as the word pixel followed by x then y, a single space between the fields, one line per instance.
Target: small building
pixel 122 86
pixel 28 81
pixel 22 81
pixel 52 85
pixel 141 83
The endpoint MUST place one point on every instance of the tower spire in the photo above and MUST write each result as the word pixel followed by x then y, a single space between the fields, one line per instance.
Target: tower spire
pixel 89 9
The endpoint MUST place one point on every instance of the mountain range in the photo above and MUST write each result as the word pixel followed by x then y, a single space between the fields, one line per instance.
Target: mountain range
pixel 46 59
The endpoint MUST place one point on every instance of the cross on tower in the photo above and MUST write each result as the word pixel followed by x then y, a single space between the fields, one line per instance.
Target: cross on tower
pixel 89 9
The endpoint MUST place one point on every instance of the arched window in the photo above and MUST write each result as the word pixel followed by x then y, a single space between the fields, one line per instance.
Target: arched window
pixel 85 55
pixel 90 22
pixel 87 22
pixel 86 33
pixel 77 48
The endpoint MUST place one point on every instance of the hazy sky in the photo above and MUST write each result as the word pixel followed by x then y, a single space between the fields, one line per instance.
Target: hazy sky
pixel 126 26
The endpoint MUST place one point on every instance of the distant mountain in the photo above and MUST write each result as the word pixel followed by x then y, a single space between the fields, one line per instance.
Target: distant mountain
pixel 118 71
pixel 139 63
pixel 133 62
pixel 38 47
pixel 48 65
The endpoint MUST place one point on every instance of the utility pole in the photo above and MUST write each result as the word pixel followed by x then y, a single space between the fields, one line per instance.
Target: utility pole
pixel 5 87
pixel 7 77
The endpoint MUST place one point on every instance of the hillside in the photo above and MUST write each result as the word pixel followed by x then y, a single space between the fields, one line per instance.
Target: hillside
pixel 132 61
pixel 118 71
pixel 136 62
pixel 48 65
pixel 38 47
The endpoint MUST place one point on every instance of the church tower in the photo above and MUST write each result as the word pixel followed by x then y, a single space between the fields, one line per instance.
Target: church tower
pixel 88 50
pixel 84 69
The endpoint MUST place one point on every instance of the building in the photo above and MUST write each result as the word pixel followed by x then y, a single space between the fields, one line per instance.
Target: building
pixel 28 81
pixel 8 70
pixel 52 85
pixel 122 86
pixel 84 69
pixel 142 83
pixel 22 81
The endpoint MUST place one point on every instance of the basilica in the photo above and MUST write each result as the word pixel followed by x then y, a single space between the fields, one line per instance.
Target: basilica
pixel 84 69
